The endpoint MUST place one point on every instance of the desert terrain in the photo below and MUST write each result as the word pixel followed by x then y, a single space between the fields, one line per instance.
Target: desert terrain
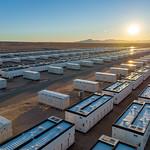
pixel 19 102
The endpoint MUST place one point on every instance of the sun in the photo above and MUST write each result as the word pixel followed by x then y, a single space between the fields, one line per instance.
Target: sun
pixel 133 29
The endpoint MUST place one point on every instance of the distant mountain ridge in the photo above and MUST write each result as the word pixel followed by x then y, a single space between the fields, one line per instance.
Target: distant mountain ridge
pixel 112 41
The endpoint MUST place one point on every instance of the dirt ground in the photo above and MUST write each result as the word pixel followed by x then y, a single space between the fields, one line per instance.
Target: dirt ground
pixel 19 102
pixel 31 46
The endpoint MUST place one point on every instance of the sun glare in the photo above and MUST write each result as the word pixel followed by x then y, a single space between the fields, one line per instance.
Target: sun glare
pixel 134 29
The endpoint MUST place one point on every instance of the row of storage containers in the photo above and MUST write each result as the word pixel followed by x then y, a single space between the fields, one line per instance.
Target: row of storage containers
pixel 119 90
pixel 84 115
pixel 17 57
pixel 14 57
pixel 44 67
pixel 122 88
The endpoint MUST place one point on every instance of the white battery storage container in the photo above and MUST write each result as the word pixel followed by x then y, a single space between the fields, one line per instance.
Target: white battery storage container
pixel 50 134
pixel 131 67
pixel 137 63
pixel 145 72
pixel 1 61
pixel 119 90
pixel 98 61
pixel 106 77
pixel 15 59
pixel 5 129
pixel 86 63
pixel 12 72
pixel 86 113
pixel 145 59
pixel 146 62
pixel 63 64
pixel 73 66
pixel 107 59
pixel 86 85
pixel 119 71
pixel 44 57
pixel 56 70
pixel 114 57
pixel 54 99
pixel 133 126
pixel 32 75
pixel 136 78
pixel 39 67
pixel 3 83
pixel 32 58
pixel 145 94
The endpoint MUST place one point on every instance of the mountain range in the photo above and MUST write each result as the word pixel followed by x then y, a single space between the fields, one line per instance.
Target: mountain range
pixel 112 41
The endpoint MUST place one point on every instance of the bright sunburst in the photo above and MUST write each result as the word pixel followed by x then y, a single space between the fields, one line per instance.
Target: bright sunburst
pixel 133 29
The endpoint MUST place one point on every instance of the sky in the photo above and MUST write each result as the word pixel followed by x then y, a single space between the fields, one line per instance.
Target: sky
pixel 73 20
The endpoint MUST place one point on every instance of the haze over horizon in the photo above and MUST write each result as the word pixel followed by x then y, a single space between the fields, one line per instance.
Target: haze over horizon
pixel 74 20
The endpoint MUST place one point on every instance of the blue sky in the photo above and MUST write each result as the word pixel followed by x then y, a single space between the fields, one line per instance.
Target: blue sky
pixel 72 20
